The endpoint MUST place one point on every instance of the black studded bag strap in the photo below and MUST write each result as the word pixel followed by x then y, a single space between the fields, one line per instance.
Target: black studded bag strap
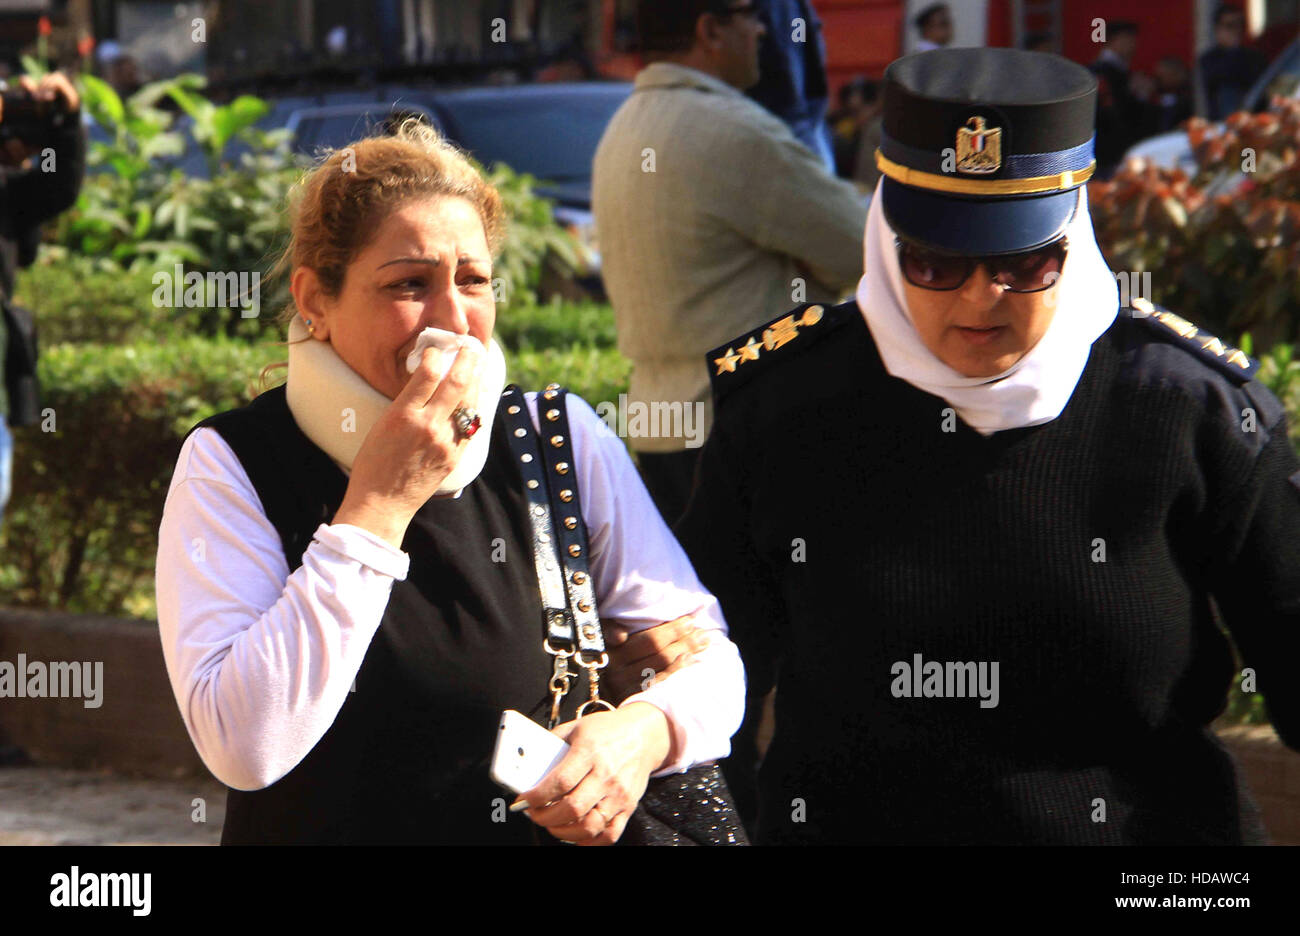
pixel 690 808
pixel 571 542
pixel 559 635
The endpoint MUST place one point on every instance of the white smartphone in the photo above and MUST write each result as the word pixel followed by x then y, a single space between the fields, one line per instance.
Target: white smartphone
pixel 525 752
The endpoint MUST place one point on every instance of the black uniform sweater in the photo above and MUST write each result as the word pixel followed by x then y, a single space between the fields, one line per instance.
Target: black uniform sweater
pixel 849 523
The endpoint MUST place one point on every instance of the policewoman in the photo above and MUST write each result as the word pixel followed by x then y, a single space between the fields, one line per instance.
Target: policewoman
pixel 974 524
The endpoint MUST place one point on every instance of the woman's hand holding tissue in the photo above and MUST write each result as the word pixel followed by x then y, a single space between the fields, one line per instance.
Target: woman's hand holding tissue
pixel 414 446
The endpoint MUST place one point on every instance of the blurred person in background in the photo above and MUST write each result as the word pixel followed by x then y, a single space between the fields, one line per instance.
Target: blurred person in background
pixel 42 163
pixel 118 68
pixel 865 172
pixel 1228 69
pixel 792 73
pixel 934 23
pixel 708 210
pixel 1123 116
pixel 1173 99
pixel 859 106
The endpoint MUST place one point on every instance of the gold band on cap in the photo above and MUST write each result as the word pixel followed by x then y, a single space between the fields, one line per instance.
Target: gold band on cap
pixel 948 183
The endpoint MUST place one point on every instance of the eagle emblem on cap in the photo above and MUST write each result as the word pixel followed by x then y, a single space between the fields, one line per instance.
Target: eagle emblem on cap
pixel 979 148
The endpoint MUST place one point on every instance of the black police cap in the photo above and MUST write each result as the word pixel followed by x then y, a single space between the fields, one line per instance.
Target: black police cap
pixel 982 149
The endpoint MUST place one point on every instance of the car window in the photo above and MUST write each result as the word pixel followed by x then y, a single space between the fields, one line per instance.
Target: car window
pixel 551 137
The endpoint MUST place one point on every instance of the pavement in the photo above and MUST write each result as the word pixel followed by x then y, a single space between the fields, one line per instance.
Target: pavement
pixel 56 806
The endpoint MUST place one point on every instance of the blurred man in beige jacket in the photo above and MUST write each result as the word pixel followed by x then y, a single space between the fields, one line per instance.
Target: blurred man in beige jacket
pixel 711 218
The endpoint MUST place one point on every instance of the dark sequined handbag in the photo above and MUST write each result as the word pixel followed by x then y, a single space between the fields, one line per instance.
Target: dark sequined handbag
pixel 690 808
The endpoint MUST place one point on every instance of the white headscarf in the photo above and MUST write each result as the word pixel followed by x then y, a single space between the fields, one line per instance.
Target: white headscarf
pixel 1036 388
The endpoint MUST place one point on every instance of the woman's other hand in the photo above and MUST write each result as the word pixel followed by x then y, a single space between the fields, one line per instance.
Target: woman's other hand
pixel 638 659
pixel 411 449
pixel 588 797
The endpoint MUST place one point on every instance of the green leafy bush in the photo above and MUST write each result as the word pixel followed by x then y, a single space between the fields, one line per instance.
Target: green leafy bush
pixel 1279 370
pixel 556 325
pixel 595 374
pixel 76 301
pixel 146 215
pixel 533 241
pixel 1223 246
pixel 80 532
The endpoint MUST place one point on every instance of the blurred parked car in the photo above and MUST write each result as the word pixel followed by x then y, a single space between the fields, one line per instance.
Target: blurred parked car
pixel 1172 151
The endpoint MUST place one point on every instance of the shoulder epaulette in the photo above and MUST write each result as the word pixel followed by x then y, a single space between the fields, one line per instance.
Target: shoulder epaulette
pixel 1226 359
pixel 738 361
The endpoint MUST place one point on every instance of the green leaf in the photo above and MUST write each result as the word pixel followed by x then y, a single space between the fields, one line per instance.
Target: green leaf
pixel 153 92
pixel 165 212
pixel 32 67
pixel 181 249
pixel 102 101
pixel 143 218
pixel 165 144
pixel 197 107
pixel 240 113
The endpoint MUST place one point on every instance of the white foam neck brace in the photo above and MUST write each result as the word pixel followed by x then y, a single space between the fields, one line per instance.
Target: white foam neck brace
pixel 335 407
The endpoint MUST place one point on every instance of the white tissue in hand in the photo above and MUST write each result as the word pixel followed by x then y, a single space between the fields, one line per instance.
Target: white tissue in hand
pixel 448 345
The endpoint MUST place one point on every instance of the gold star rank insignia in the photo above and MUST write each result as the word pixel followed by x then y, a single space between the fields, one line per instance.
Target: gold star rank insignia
pixel 780 332
pixel 1213 345
pixel 1229 360
pixel 727 362
pixel 1240 358
pixel 754 348
pixel 1178 325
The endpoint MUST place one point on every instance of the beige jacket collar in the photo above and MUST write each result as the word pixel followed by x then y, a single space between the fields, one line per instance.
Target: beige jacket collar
pixel 672 75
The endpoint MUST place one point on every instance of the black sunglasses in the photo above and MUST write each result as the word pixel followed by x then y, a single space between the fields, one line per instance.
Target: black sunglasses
pixel 1026 272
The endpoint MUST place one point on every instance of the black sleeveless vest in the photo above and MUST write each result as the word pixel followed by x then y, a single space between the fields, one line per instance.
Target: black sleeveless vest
pixel 407 758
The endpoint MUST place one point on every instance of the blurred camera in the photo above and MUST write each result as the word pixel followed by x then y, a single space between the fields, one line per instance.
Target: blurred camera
pixel 32 121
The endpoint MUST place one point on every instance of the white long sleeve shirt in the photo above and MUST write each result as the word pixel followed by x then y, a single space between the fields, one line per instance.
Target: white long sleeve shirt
pixel 261 660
